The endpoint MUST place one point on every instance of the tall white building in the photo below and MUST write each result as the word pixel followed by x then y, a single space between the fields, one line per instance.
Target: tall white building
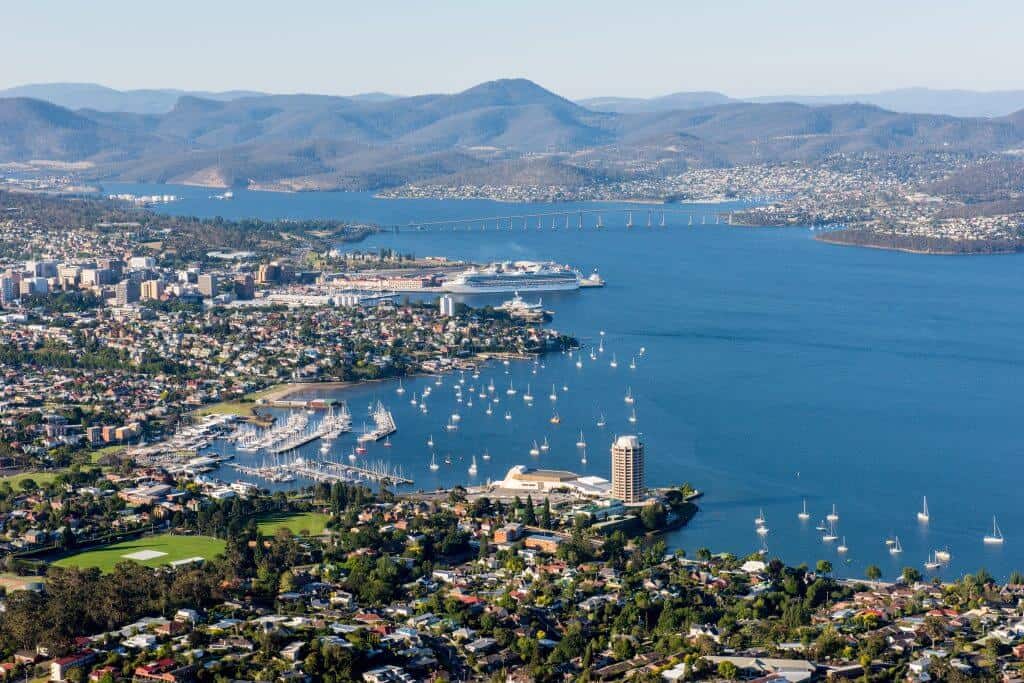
pixel 446 305
pixel 628 469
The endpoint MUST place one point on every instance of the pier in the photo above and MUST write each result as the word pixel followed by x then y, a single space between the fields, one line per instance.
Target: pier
pixel 327 471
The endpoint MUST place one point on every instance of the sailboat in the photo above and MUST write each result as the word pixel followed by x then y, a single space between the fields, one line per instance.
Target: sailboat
pixel 632 416
pixel 555 419
pixel 601 421
pixel 833 516
pixel 629 395
pixel 489 411
pixel 508 416
pixel 841 548
pixel 830 535
pixel 511 391
pixel 759 520
pixel 803 514
pixel 614 362
pixel 414 400
pixel 582 443
pixel 401 389
pixel 535 450
pixel 996 538
pixel 583 458
pixel 451 427
pixel 579 361
pixel 456 417
pixel 896 548
pixel 472 466
pixel 486 455
pixel 545 446
pixel 527 396
pixel 762 531
pixel 632 363
pixel 554 393
pixel 923 516
pixel 932 563
pixel 490 386
pixel 433 462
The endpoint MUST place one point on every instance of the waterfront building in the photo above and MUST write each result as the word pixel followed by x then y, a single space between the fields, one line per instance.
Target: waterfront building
pixel 628 469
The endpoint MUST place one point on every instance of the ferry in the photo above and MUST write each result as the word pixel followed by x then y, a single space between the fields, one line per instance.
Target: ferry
pixel 518 306
pixel 517 276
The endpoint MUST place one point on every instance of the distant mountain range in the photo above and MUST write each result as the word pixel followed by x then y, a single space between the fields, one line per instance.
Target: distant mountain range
pixel 506 131
pixel 149 101
pixel 907 100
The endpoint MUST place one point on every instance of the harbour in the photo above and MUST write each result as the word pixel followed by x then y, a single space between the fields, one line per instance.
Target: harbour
pixel 904 385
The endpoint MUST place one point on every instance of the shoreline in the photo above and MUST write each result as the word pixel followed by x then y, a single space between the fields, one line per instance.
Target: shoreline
pixel 908 250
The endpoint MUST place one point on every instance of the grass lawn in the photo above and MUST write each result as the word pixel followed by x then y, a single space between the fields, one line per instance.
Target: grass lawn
pixel 153 551
pixel 95 456
pixel 38 477
pixel 240 408
pixel 313 522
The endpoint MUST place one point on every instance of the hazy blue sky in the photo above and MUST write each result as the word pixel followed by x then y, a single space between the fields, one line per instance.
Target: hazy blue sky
pixel 579 49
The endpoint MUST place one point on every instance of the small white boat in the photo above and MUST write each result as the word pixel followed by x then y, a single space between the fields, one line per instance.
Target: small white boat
pixel 582 443
pixel 508 416
pixel 830 535
pixel 932 563
pixel 601 421
pixel 923 515
pixel 489 411
pixel 527 396
pixel 490 386
pixel 996 537
pixel 401 389
pixel 433 463
pixel 545 446
pixel 833 516
pixel 554 393
pixel 352 456
pixel 804 514
pixel 438 380
pixel 632 416
pixel 762 531
pixel 759 520
pixel 472 466
pixel 896 548
pixel 565 388
pixel 456 417
pixel 632 363
pixel 535 449
pixel 614 362
pixel 452 427
pixel 583 458
pixel 486 455
pixel 579 362
pixel 511 391
pixel 629 395
pixel 841 548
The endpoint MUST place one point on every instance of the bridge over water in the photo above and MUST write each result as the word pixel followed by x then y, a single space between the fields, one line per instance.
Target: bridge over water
pixel 580 219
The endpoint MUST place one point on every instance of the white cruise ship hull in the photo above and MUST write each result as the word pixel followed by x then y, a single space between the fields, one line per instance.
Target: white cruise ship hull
pixel 505 287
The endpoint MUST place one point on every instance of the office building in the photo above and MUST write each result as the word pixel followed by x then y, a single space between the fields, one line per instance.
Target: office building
pixel 127 292
pixel 628 469
pixel 151 290
pixel 208 285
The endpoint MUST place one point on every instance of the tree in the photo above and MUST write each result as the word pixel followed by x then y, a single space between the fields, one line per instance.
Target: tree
pixel 545 514
pixel 910 575
pixel 873 573
pixel 728 670
pixel 484 547
pixel 824 567
pixel 529 515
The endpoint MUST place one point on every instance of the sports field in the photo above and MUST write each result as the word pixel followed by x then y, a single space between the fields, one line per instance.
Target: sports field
pixel 151 551
pixel 296 522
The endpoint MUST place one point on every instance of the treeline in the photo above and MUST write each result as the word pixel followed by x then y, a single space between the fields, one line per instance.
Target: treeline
pixel 919 243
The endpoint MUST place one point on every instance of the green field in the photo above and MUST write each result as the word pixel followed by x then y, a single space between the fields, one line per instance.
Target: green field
pixel 40 478
pixel 170 547
pixel 296 522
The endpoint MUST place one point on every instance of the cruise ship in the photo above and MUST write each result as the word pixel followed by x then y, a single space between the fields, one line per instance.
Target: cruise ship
pixel 518 276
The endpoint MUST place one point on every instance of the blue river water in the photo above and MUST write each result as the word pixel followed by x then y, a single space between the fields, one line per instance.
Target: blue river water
pixel 777 369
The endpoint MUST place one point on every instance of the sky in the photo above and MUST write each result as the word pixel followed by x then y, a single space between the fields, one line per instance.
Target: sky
pixel 643 48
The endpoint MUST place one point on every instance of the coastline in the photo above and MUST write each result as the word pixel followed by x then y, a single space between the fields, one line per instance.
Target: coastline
pixel 910 250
